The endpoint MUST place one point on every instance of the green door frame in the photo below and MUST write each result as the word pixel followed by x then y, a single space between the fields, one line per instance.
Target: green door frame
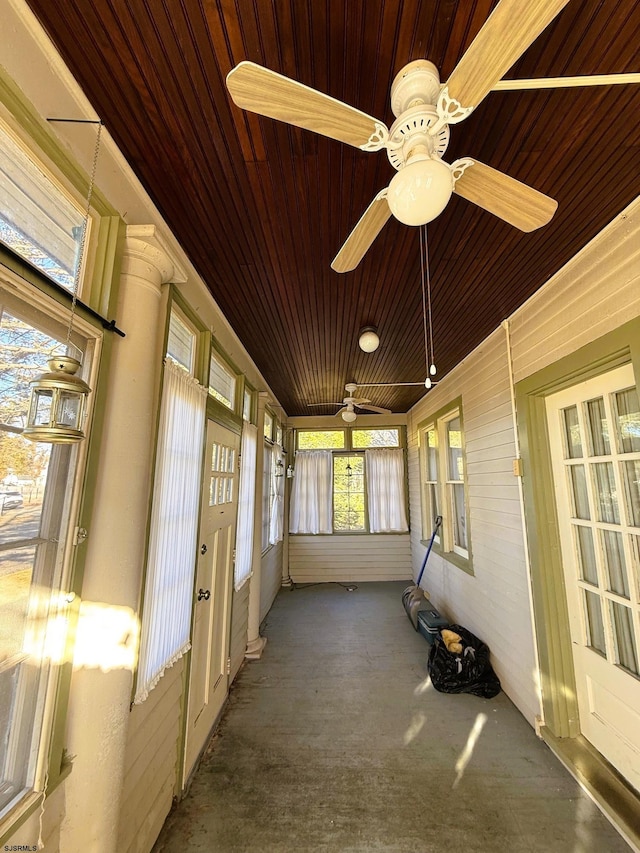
pixel 549 602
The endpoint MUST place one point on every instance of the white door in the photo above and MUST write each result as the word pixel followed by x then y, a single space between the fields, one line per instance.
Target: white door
pixel 594 431
pixel 208 681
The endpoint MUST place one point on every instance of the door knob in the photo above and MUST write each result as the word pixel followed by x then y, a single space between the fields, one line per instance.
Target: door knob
pixel 204 593
pixel 203 549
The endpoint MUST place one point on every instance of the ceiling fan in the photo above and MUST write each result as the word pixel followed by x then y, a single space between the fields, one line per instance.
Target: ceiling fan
pixel 418 138
pixel 351 403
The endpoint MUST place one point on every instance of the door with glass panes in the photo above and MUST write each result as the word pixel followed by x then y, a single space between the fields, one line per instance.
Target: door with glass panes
pixel 208 680
pixel 594 432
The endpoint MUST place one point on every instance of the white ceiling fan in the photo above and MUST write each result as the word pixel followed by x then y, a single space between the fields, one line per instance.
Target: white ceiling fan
pixel 351 403
pixel 418 139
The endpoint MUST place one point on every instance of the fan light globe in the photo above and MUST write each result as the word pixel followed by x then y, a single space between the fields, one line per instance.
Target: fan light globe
pixel 368 340
pixel 349 416
pixel 420 191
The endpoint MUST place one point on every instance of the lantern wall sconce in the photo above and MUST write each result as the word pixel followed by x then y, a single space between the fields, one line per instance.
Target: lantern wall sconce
pixel 58 397
pixel 279 468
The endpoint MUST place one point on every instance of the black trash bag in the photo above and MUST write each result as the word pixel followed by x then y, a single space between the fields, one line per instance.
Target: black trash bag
pixel 467 672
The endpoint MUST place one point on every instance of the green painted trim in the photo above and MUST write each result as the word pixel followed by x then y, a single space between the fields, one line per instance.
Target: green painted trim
pixel 107 260
pixel 549 602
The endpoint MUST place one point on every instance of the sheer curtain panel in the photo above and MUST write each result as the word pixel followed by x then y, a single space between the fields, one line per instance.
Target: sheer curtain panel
pixel 386 490
pixel 246 505
pixel 277 499
pixel 168 595
pixel 311 493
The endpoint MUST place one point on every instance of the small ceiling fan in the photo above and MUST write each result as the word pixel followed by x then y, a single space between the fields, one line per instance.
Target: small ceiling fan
pixel 351 403
pixel 418 138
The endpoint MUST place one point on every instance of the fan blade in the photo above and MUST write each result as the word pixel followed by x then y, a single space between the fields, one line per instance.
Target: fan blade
pixel 267 93
pixel 357 243
pixel 377 409
pixel 506 34
pixel 359 401
pixel 332 403
pixel 516 203
pixel 567 82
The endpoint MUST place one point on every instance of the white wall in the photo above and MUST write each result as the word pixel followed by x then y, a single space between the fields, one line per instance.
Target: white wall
pixel 595 293
pixel 349 558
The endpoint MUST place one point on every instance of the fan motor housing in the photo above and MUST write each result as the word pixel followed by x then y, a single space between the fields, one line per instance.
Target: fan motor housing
pixel 411 130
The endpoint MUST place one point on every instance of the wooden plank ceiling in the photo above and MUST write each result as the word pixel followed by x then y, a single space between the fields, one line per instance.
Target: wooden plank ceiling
pixel 262 208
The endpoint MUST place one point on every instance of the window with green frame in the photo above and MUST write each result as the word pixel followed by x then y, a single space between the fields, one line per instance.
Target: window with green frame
pixel 349 484
pixel 443 484
pixel 39 220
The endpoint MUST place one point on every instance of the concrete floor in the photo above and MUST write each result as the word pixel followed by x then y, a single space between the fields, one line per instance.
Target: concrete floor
pixel 334 741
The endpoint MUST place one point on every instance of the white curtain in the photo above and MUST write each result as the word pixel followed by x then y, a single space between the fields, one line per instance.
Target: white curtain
pixel 311 493
pixel 277 496
pixel 386 490
pixel 246 504
pixel 168 595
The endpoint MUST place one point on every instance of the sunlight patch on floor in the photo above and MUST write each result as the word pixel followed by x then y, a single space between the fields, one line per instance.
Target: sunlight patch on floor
pixel 465 756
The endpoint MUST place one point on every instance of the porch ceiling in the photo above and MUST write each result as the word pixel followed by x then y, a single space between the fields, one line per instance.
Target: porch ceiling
pixel 262 208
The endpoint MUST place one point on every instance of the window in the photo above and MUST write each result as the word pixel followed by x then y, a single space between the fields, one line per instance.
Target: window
pixel 247 405
pixel 222 382
pixel 36 485
pixel 166 617
pixel 430 490
pixel 360 472
pixel 268 426
pixel 267 492
pixel 349 493
pixel 361 438
pixel 38 219
pixel 321 439
pixel 443 491
pixel 181 345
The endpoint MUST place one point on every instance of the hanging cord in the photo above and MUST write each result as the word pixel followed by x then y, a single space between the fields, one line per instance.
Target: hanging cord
pixel 83 237
pixel 426 252
pixel 424 298
pixel 40 844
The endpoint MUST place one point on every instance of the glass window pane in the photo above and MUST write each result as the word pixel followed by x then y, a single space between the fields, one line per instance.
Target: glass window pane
pixel 348 493
pixel 614 560
pixel 587 555
pixel 598 428
pixel 37 221
pixel 222 382
pixel 321 439
pixel 454 446
pixel 572 432
pixel 608 509
pixel 624 637
pixel 432 455
pixel 579 494
pixel 268 425
pixel 632 482
pixel 181 342
pixel 635 566
pixel 362 438
pixel 460 519
pixel 595 624
pixel 246 405
pixel 628 425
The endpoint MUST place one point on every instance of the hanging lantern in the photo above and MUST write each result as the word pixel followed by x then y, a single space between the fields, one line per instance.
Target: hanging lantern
pixel 58 397
pixel 58 400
